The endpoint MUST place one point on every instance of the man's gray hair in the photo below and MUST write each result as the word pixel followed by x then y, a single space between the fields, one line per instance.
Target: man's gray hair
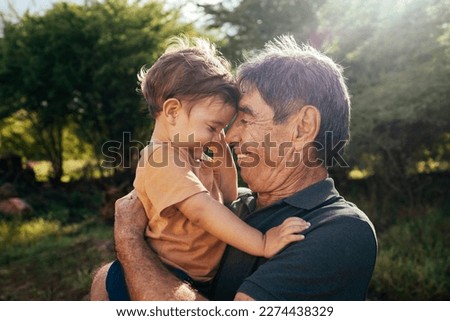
pixel 289 76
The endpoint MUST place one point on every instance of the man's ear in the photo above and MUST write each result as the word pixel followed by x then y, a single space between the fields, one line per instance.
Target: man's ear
pixel 306 126
pixel 171 109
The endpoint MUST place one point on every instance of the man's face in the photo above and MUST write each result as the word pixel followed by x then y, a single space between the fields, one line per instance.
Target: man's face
pixel 263 148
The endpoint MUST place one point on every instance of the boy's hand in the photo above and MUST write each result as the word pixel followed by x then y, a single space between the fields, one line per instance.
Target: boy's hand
pixel 219 148
pixel 222 137
pixel 287 232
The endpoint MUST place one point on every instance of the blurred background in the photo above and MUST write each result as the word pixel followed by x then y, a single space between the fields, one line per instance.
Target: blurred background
pixel 72 123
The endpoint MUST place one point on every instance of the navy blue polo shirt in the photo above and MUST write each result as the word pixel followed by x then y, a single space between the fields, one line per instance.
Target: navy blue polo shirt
pixel 335 261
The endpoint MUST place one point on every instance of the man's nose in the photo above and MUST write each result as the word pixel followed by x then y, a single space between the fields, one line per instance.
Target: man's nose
pixel 232 134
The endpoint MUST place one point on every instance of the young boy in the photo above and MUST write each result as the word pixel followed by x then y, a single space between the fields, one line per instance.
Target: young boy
pixel 191 94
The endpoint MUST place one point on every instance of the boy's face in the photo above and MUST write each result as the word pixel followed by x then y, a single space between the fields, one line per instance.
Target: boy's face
pixel 206 119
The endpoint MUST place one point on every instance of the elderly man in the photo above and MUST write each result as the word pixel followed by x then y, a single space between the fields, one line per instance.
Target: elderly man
pixel 294 105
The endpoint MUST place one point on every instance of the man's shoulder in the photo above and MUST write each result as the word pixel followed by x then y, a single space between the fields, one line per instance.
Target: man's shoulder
pixel 340 208
pixel 343 217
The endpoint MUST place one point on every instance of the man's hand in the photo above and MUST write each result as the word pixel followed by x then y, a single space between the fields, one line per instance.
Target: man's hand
pixel 129 202
pixel 129 217
pixel 240 296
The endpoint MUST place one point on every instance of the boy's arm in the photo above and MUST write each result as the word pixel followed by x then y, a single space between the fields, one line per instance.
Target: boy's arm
pixel 203 210
pixel 146 278
pixel 226 170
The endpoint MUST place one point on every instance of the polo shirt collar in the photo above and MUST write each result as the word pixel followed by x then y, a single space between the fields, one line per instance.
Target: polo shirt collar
pixel 313 195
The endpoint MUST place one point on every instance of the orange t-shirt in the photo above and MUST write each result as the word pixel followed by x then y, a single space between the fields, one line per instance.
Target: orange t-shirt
pixel 165 176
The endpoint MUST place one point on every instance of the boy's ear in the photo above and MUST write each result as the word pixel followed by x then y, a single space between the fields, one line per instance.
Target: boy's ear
pixel 171 109
pixel 306 126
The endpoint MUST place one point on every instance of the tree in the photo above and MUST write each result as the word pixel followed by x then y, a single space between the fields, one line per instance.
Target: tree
pixel 78 64
pixel 38 74
pixel 251 23
pixel 397 56
pixel 126 38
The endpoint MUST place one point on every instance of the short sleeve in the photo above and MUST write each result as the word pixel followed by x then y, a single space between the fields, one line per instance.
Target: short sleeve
pixel 167 176
pixel 324 266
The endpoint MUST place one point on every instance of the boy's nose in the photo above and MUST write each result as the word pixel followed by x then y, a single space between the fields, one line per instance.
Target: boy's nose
pixel 216 138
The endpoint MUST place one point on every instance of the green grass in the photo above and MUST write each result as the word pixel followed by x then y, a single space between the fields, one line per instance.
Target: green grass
pixel 51 253
pixel 414 259
pixel 45 260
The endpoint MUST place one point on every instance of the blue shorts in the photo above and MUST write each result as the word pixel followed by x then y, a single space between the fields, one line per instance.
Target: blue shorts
pixel 117 287
pixel 115 283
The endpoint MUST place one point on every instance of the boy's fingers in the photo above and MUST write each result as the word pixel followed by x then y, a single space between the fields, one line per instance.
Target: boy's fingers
pixel 295 225
pixel 294 218
pixel 293 229
pixel 294 237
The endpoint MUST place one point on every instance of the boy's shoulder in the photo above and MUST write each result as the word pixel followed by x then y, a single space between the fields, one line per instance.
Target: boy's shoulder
pixel 163 155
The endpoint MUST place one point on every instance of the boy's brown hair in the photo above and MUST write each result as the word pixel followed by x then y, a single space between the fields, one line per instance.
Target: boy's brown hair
pixel 188 70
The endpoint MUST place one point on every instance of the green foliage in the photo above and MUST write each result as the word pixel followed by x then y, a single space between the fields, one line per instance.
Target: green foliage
pixel 413 261
pixel 39 72
pixel 398 65
pixel 251 23
pixel 76 65
pixel 16 137
pixel 124 38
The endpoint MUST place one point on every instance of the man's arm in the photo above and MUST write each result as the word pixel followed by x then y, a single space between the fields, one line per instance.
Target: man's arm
pixel 147 279
pixel 243 297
